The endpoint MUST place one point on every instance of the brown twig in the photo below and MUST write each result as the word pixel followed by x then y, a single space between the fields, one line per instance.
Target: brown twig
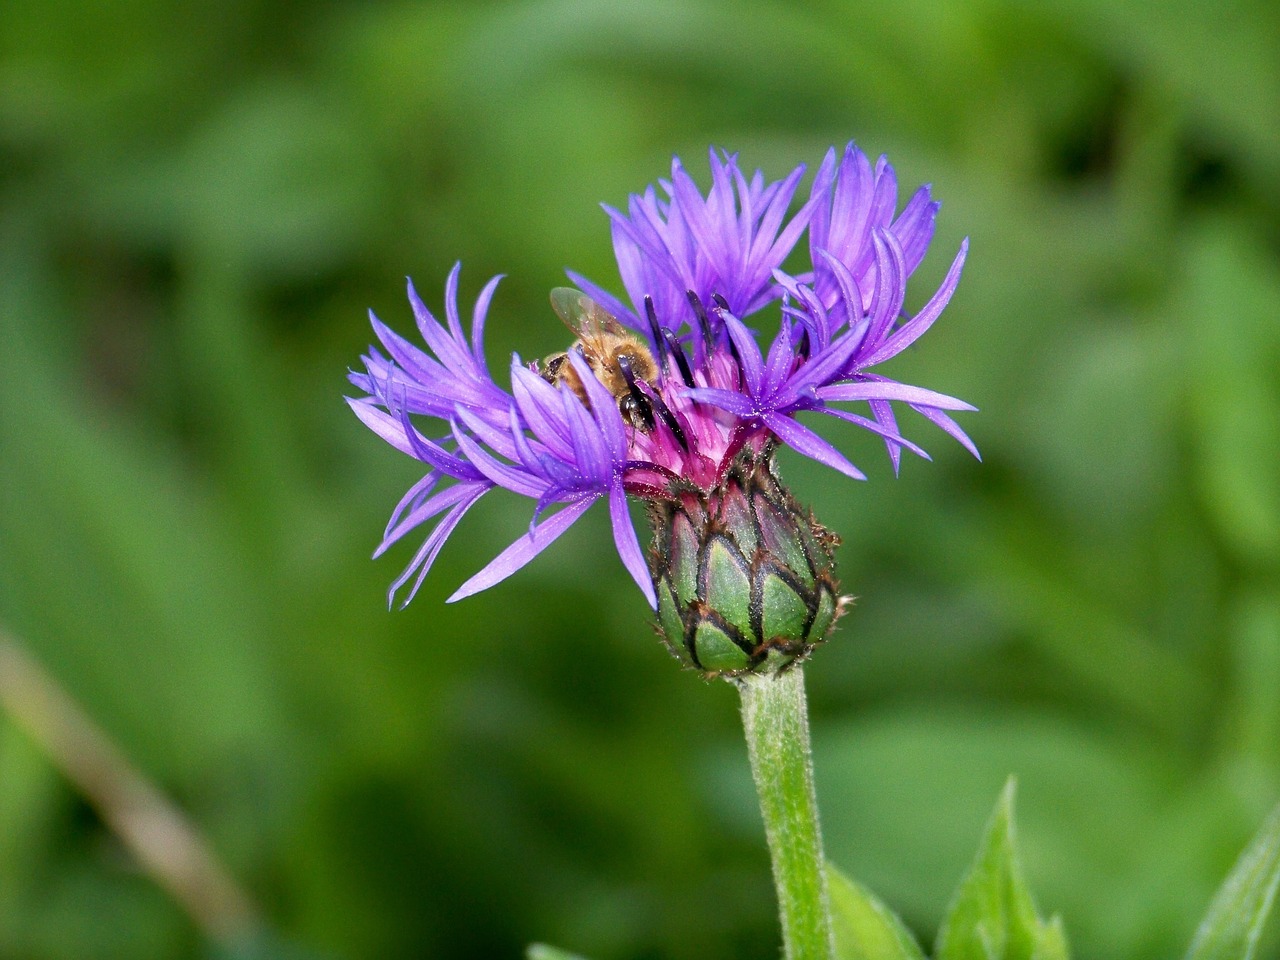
pixel 163 840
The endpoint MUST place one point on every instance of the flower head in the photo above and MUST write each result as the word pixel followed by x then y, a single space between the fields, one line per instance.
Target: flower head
pixel 669 393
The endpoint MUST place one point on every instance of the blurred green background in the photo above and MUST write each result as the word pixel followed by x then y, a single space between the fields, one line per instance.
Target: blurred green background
pixel 198 202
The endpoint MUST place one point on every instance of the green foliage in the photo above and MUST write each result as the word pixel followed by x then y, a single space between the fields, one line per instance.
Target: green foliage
pixel 540 951
pixel 992 916
pixel 1231 929
pixel 863 927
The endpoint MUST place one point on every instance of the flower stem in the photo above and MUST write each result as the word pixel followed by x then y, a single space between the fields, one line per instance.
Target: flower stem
pixel 775 716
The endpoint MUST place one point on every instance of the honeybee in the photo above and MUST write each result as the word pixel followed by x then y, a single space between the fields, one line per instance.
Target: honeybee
pixel 615 355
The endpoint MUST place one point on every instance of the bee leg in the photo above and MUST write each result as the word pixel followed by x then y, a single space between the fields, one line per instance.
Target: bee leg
pixel 552 370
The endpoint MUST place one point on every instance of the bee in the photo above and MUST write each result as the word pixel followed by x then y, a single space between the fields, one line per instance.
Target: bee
pixel 615 355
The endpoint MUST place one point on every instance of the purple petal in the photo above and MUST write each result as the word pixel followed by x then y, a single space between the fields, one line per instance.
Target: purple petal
pixel 721 240
pixel 604 407
pixel 914 227
pixel 636 262
pixel 892 437
pixel 451 304
pixel 729 400
pixel 910 331
pixel 517 479
pixel 803 440
pixel 590 455
pixel 950 426
pixel 891 286
pixel 430 549
pixel 539 405
pixel 477 322
pixel 850 295
pixel 380 422
pixel 748 353
pixel 495 433
pixel 624 537
pixel 695 212
pixel 885 198
pixel 524 549
pixel 441 344
pixel 412 498
pixel 415 363
pixel 778 365
pixel 780 244
pixel 826 365
pixel 746 207
pixel 820 218
pixel 882 410
pixel 432 453
pixel 850 221
pixel 443 500
pixel 811 311
pixel 525 454
pixel 889 390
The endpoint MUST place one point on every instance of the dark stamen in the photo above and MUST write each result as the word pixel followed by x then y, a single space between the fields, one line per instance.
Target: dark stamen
pixel 655 330
pixel 803 348
pixel 677 353
pixel 635 405
pixel 704 323
pixel 670 420
pixel 723 305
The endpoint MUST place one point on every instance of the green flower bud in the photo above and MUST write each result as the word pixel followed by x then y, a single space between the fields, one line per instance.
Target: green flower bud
pixel 744 575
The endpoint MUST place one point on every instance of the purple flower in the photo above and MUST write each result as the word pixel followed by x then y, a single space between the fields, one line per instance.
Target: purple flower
pixel 728 243
pixel 664 394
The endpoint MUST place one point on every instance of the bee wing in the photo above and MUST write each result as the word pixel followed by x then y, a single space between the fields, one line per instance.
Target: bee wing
pixel 586 318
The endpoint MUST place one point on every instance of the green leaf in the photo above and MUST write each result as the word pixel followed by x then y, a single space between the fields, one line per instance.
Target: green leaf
pixel 540 951
pixel 1231 928
pixel 1051 942
pixel 862 926
pixel 992 916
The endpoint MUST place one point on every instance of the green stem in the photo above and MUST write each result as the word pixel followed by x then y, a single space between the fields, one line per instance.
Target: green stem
pixel 775 716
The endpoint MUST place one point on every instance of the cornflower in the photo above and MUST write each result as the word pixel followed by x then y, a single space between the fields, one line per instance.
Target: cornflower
pixel 669 397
